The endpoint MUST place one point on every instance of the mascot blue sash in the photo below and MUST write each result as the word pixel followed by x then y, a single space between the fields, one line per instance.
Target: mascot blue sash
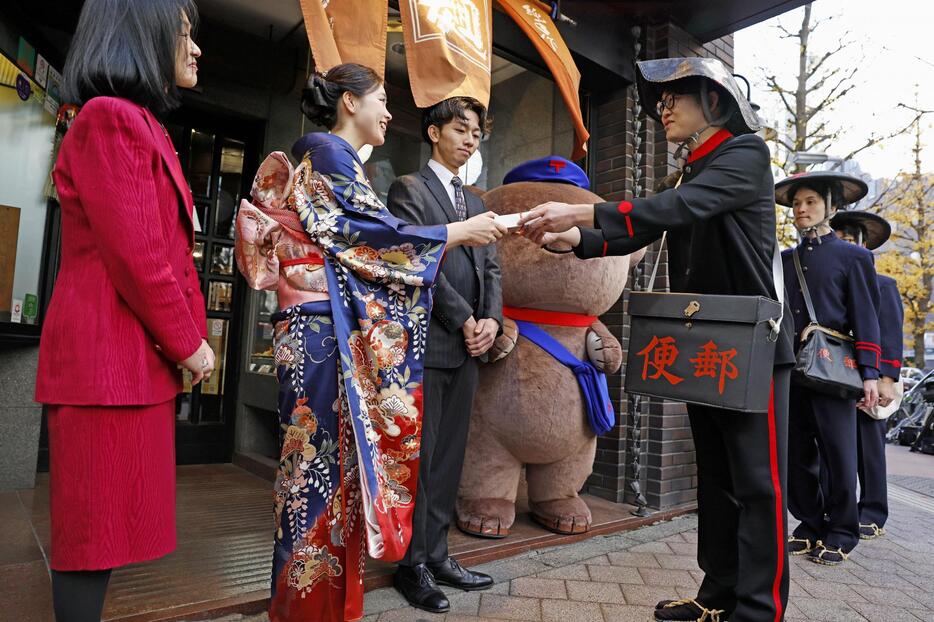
pixel 600 413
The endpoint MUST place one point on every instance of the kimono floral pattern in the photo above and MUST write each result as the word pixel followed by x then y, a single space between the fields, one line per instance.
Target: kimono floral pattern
pixel 311 521
pixel 350 374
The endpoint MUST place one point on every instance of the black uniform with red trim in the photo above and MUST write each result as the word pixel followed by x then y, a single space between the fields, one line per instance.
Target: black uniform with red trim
pixel 891 319
pixel 873 487
pixel 721 240
pixel 842 281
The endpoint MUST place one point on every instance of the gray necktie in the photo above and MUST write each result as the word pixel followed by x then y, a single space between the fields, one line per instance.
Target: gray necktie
pixel 460 204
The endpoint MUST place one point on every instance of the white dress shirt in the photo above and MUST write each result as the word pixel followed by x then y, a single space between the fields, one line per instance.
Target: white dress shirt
pixel 445 176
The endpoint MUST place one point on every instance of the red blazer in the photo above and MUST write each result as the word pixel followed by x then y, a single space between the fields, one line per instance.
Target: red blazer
pixel 126 305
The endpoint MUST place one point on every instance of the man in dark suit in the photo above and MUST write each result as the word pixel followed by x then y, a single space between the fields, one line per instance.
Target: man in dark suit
pixel 465 320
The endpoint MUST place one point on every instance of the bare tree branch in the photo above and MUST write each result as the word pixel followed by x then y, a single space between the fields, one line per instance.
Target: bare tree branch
pixel 818 145
pixel 784 143
pixel 844 43
pixel 878 201
pixel 830 75
pixel 818 131
pixel 817 23
pixel 836 92
pixel 772 83
pixel 787 34
pixel 920 111
pixel 874 140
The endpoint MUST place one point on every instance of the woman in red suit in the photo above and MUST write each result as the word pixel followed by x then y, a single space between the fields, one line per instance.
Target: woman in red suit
pixel 127 310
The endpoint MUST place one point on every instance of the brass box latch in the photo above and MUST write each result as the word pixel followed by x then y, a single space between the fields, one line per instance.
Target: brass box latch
pixel 692 309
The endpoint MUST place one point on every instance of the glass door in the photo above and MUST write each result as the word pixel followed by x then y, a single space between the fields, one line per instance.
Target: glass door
pixel 219 160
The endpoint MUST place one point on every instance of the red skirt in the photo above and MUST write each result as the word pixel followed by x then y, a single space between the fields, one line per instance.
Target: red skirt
pixel 112 484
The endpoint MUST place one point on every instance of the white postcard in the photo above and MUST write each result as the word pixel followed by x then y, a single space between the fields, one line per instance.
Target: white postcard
pixel 510 221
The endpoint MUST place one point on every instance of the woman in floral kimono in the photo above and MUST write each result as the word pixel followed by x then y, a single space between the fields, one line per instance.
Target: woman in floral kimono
pixel 354 292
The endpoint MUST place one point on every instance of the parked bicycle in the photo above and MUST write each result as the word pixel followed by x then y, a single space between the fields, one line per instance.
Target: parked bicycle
pixel 913 424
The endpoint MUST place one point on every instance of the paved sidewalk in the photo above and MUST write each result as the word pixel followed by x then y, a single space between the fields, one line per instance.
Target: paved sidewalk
pixel 920 485
pixel 619 578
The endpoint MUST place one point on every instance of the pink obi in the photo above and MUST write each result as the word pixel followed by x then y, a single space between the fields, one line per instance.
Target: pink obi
pixel 272 249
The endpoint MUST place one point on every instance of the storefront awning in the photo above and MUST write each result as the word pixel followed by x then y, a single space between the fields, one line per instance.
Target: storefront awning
pixel 710 20
pixel 705 21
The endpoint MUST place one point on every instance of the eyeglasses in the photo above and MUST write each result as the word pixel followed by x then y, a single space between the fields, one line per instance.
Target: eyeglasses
pixel 666 102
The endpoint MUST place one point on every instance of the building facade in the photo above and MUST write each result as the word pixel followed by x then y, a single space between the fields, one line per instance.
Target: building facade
pixel 246 105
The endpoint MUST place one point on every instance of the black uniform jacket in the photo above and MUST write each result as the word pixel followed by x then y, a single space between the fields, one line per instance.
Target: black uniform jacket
pixel 841 278
pixel 720 222
pixel 891 317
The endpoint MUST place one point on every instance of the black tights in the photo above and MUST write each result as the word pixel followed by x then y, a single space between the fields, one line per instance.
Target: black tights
pixel 79 596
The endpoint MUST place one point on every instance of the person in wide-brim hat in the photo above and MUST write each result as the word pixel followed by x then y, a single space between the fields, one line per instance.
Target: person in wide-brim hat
pixel 874 229
pixel 832 284
pixel 835 188
pixel 720 223
pixel 850 188
pixel 654 77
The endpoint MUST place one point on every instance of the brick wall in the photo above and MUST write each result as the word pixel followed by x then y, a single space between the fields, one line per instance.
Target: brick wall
pixel 650 451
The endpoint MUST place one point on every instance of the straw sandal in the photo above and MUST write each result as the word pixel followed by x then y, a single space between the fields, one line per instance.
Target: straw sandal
pixel 687 610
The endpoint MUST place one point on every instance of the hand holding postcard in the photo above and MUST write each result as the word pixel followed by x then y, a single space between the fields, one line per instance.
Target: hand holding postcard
pixel 510 221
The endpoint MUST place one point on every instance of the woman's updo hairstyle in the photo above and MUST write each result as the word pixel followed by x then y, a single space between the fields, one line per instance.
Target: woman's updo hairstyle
pixel 323 91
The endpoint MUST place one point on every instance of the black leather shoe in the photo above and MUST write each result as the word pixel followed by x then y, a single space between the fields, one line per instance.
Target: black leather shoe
pixel 452 574
pixel 418 587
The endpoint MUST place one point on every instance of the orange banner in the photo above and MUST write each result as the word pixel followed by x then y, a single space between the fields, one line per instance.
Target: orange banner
pixel 448 48
pixel 347 31
pixel 320 37
pixel 538 25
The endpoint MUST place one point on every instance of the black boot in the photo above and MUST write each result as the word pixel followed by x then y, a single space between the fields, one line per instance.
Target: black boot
pixel 418 587
pixel 452 574
pixel 79 596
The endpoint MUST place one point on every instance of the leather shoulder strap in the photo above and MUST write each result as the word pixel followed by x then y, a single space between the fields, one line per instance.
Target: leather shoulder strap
pixel 778 282
pixel 804 287
pixel 651 286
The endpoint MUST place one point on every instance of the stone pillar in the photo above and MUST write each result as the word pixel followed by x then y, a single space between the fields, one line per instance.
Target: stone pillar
pixel 20 416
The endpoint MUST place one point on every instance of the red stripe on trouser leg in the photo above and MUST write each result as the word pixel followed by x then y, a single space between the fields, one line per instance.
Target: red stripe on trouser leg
pixel 779 518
